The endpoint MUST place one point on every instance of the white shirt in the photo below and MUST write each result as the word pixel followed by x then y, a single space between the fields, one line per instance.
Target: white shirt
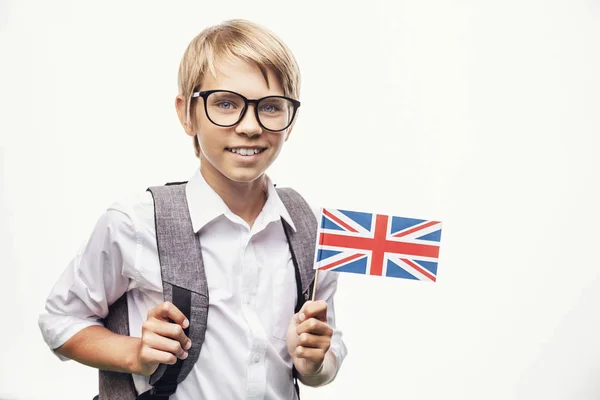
pixel 251 283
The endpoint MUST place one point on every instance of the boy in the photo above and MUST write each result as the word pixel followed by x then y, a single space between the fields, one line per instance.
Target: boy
pixel 254 339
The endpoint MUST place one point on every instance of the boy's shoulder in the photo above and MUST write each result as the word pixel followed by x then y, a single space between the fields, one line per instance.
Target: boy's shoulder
pixel 133 202
pixel 310 202
pixel 132 208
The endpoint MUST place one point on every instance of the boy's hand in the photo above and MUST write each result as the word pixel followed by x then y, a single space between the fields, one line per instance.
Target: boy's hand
pixel 162 341
pixel 309 337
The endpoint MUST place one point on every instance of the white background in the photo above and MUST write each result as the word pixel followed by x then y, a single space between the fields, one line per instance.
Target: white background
pixel 482 114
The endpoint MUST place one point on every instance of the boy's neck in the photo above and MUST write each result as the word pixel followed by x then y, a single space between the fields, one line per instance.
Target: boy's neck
pixel 246 200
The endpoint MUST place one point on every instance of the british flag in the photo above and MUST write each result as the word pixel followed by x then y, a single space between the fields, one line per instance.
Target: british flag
pixel 375 244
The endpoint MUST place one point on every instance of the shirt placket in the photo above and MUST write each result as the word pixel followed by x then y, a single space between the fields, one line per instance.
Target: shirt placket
pixel 256 378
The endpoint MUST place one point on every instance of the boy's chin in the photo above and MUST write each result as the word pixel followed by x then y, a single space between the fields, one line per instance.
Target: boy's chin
pixel 243 175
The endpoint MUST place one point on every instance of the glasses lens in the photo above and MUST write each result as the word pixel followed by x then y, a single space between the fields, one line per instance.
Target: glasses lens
pixel 275 113
pixel 224 108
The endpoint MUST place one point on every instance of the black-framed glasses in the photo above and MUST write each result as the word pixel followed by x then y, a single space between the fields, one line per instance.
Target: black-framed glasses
pixel 226 108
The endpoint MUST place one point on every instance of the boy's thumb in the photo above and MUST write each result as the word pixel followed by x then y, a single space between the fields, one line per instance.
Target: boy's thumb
pixel 298 318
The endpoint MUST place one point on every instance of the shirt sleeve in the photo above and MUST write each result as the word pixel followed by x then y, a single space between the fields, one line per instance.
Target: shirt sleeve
pixel 326 288
pixel 94 279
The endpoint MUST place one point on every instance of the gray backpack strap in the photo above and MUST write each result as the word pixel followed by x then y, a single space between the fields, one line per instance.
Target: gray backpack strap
pixel 184 285
pixel 303 241
pixel 183 277
pixel 117 385
pixel 302 247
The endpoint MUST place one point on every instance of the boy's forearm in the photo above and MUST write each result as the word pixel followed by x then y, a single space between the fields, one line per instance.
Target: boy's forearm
pixel 325 375
pixel 100 348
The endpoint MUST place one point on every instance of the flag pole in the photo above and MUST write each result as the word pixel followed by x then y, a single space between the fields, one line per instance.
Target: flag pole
pixel 315 286
pixel 317 238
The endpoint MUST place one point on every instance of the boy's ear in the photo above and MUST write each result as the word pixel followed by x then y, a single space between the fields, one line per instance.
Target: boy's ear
pixel 181 113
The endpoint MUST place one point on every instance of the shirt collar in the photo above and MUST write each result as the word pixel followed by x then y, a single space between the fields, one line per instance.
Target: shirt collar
pixel 205 204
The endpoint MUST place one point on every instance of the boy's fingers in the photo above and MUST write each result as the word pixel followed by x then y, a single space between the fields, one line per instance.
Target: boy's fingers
pixel 168 311
pixel 314 341
pixel 169 330
pixel 314 309
pixel 314 327
pixel 164 344
pixel 314 355
pixel 153 356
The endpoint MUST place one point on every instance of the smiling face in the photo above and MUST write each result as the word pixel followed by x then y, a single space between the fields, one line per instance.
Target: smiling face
pixel 239 154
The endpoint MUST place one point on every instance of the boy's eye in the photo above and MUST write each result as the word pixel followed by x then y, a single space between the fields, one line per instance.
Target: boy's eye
pixel 270 108
pixel 224 101
pixel 225 105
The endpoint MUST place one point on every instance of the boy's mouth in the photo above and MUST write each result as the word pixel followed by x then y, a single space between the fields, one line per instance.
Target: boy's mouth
pixel 246 151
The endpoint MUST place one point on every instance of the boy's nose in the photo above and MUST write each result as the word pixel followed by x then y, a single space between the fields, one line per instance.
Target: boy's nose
pixel 248 124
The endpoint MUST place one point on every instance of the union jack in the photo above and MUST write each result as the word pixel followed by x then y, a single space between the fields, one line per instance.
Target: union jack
pixel 375 244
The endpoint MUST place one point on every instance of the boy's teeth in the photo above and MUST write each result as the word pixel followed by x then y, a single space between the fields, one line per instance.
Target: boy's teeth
pixel 245 152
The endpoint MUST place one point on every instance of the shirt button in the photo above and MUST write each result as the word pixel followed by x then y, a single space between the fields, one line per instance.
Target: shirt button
pixel 246 299
pixel 256 358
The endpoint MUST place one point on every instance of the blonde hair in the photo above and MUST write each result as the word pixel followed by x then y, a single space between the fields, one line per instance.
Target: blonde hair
pixel 235 39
